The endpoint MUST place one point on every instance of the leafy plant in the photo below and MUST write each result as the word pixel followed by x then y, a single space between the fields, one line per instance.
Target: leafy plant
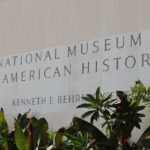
pixel 99 106
pixel 140 93
pixel 120 116
pixel 29 133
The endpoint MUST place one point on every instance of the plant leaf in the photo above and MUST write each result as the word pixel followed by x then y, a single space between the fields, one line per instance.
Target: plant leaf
pixel 84 126
pixel 144 140
pixel 85 105
pixel 19 137
pixel 88 113
pixel 97 93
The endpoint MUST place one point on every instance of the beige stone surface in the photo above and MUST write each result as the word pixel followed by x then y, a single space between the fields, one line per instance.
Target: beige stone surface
pixel 119 16
pixel 27 25
pixel 143 14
